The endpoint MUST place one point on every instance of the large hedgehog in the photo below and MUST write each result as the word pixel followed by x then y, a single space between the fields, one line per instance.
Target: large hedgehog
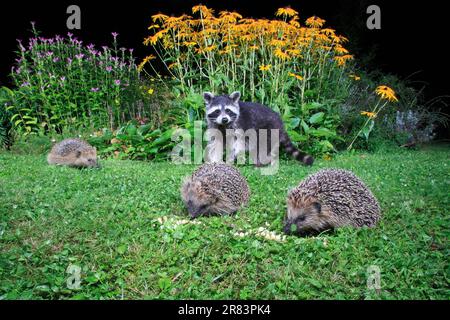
pixel 329 199
pixel 215 188
pixel 73 153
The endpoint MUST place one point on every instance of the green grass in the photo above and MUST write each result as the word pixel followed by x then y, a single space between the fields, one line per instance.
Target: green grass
pixel 104 221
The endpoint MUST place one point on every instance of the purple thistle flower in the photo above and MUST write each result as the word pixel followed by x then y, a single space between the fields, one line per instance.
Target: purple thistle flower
pixel 25 84
pixel 69 61
pixel 69 34
pixel 114 34
pixel 95 89
pixel 79 56
pixel 55 59
pixel 117 82
pixel 63 78
pixel 108 68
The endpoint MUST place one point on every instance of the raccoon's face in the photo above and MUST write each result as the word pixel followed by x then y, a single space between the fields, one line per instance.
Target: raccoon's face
pixel 86 158
pixel 305 216
pixel 197 200
pixel 222 111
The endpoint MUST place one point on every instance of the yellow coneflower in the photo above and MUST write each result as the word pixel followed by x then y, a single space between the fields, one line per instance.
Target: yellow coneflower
pixel 315 22
pixel 340 50
pixel 172 65
pixel 371 115
pixel 150 91
pixel 205 11
pixel 355 77
pixel 298 77
pixel 144 61
pixel 254 47
pixel 154 26
pixel 287 12
pixel 210 48
pixel 189 43
pixel 280 54
pixel 265 67
pixel 386 93
pixel 277 43
pixel 294 22
pixel 160 17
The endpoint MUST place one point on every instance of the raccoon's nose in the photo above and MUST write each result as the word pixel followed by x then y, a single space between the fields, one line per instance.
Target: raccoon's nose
pixel 225 120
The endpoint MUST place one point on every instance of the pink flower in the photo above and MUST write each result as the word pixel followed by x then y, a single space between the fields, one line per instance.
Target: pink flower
pixel 117 82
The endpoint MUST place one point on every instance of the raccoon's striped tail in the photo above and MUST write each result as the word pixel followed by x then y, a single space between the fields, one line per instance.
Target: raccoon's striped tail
pixel 293 151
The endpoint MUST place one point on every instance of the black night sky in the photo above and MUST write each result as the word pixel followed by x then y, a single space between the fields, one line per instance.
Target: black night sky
pixel 411 40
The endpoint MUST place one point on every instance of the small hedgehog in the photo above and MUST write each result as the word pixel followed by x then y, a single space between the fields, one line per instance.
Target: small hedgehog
pixel 329 199
pixel 73 153
pixel 215 188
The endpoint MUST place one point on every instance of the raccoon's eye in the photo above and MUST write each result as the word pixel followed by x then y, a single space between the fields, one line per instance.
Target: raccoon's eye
pixel 229 112
pixel 214 114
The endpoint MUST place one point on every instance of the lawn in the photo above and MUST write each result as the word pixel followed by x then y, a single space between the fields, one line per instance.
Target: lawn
pixel 108 223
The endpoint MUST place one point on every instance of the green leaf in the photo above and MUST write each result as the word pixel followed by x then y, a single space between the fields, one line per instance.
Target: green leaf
pixel 305 126
pixel 316 118
pixel 294 123
pixel 296 137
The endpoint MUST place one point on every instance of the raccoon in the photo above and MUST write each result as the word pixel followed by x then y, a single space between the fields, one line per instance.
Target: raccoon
pixel 228 112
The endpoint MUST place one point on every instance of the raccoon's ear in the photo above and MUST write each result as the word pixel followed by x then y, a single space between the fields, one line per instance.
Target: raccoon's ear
pixel 78 154
pixel 235 96
pixel 208 96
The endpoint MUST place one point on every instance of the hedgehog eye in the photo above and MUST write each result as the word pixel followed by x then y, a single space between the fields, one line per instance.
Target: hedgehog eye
pixel 317 206
pixel 300 219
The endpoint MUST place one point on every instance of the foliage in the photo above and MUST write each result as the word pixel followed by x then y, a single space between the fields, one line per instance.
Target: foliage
pixel 388 95
pixel 410 118
pixel 6 98
pixel 295 69
pixel 134 141
pixel 107 222
pixel 61 82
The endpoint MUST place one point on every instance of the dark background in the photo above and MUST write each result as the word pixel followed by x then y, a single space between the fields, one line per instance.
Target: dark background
pixel 411 40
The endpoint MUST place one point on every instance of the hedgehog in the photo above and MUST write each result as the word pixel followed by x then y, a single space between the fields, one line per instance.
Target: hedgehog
pixel 74 153
pixel 215 188
pixel 329 199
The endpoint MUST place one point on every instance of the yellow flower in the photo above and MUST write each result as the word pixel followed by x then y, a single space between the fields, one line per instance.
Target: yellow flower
pixel 371 115
pixel 355 77
pixel 287 12
pixel 280 54
pixel 386 93
pixel 206 12
pixel 265 67
pixel 315 22
pixel 298 77
pixel 327 157
pixel 150 91
pixel 189 43
pixel 160 17
pixel 146 59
